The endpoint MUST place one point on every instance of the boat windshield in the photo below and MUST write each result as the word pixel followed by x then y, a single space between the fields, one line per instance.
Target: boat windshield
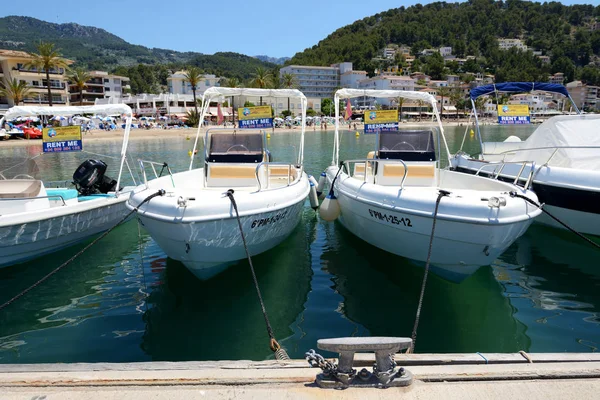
pixel 236 147
pixel 19 168
pixel 407 145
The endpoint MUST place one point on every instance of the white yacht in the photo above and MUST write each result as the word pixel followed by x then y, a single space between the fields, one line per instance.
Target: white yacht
pixel 37 219
pixel 562 155
pixel 388 198
pixel 195 221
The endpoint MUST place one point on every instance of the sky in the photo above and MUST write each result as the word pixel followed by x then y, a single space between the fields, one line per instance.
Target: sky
pixel 274 28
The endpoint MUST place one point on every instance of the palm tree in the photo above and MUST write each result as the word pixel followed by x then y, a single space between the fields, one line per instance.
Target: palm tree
pixel 261 79
pixel 400 104
pixel 456 95
pixel 288 81
pixel 232 83
pixel 79 78
pixel 443 92
pixel 194 76
pixel 46 59
pixel 421 103
pixel 15 90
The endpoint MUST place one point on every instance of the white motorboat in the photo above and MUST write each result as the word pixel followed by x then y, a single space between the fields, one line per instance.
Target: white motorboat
pixel 195 223
pixel 562 154
pixel 389 198
pixel 36 219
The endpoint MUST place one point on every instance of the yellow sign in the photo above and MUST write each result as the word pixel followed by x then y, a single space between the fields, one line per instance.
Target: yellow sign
pixel 61 139
pixel 61 133
pixel 258 112
pixel 513 110
pixel 381 116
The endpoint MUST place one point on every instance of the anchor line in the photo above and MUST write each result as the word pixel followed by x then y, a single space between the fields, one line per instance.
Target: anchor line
pixel 441 194
pixel 280 353
pixel 70 260
pixel 541 207
pixel 141 246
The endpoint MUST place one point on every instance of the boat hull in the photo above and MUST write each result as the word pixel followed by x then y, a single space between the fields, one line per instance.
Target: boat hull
pixel 460 246
pixel 568 194
pixel 203 233
pixel 209 247
pixel 20 242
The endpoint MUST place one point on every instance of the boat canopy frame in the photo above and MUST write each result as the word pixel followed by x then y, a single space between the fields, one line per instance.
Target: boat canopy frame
pixel 220 92
pixel 406 94
pixel 515 87
pixel 106 109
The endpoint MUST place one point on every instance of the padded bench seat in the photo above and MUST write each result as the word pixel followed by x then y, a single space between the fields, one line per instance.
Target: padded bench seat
pixel 19 188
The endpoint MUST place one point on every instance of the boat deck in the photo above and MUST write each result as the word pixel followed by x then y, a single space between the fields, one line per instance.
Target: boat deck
pixel 437 376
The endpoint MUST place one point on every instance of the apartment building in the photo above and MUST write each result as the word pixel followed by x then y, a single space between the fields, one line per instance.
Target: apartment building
pixel 315 81
pixel 101 85
pixel 506 44
pixel 13 66
pixel 557 78
pixel 178 84
pixel 586 97
pixel 383 82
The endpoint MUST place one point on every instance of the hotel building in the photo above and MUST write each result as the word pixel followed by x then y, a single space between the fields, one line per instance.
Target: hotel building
pixel 13 66
pixel 101 85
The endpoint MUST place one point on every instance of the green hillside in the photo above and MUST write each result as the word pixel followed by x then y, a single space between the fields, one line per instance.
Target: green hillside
pixel 568 34
pixel 97 49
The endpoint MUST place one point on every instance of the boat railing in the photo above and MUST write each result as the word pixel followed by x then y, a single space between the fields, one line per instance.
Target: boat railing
pixel 152 165
pixel 497 171
pixel 267 165
pixel 555 148
pixel 50 197
pixel 375 161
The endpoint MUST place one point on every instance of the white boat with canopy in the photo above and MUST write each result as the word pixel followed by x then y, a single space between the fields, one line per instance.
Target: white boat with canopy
pixel 195 222
pixel 389 198
pixel 37 218
pixel 562 155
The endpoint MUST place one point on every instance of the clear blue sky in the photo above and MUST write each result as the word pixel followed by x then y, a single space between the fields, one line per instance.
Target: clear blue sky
pixel 274 28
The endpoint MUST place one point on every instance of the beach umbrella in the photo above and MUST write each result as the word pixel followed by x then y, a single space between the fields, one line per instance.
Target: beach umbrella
pixel 58 118
pixel 143 118
pixel 162 117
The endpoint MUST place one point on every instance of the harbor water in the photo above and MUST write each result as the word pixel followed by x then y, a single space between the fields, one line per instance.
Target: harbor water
pixel 124 300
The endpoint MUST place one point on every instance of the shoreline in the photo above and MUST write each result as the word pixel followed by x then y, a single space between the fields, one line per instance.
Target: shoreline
pixel 98 135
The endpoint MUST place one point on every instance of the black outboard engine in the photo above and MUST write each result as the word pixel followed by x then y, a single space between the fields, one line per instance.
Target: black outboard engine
pixel 89 178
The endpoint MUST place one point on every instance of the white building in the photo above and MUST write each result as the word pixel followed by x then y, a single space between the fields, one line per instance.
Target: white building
pixel 351 79
pixel 506 44
pixel 446 51
pixel 178 84
pixel 383 82
pixel 314 81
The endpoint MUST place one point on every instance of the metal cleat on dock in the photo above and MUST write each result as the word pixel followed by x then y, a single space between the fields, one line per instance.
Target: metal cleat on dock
pixel 342 375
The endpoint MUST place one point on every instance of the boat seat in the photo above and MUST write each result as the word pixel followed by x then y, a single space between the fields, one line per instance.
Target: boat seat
pixel 66 194
pixel 419 174
pixel 19 188
pixel 220 175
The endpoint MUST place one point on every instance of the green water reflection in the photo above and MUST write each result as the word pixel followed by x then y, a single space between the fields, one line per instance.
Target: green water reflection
pixel 541 295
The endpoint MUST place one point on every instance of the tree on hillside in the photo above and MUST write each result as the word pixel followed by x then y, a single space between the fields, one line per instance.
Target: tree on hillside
pixel 193 76
pixel 288 81
pixel 261 79
pixel 46 59
pixel 15 90
pixel 79 78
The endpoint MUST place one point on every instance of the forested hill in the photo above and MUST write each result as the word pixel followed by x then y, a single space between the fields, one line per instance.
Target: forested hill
pixel 570 35
pixel 95 48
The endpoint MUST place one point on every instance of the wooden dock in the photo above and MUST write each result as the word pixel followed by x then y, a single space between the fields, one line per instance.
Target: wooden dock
pixel 437 376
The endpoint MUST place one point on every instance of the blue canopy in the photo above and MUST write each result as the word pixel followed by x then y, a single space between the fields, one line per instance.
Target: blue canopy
pixel 518 87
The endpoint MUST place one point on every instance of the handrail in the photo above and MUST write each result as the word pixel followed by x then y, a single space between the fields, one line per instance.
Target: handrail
pixel 346 164
pixel 496 174
pixel 156 175
pixel 34 198
pixel 555 148
pixel 268 164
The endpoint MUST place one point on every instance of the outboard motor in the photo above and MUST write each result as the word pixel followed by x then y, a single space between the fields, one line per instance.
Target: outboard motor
pixel 89 178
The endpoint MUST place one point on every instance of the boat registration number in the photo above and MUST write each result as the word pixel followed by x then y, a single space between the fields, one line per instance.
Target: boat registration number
pixel 392 219
pixel 271 220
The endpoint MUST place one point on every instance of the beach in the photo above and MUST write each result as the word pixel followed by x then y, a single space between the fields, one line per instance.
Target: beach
pixel 97 135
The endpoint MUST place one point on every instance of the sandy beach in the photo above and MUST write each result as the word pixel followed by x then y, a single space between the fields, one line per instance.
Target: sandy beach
pixel 155 133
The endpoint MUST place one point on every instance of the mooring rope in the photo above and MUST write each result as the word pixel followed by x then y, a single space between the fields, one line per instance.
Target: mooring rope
pixel 541 207
pixel 280 353
pixel 441 194
pixel 70 260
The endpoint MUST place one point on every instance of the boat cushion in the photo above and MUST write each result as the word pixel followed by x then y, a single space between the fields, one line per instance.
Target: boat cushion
pixel 419 174
pixel 19 188
pixel 220 175
pixel 66 194
pixel 414 171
